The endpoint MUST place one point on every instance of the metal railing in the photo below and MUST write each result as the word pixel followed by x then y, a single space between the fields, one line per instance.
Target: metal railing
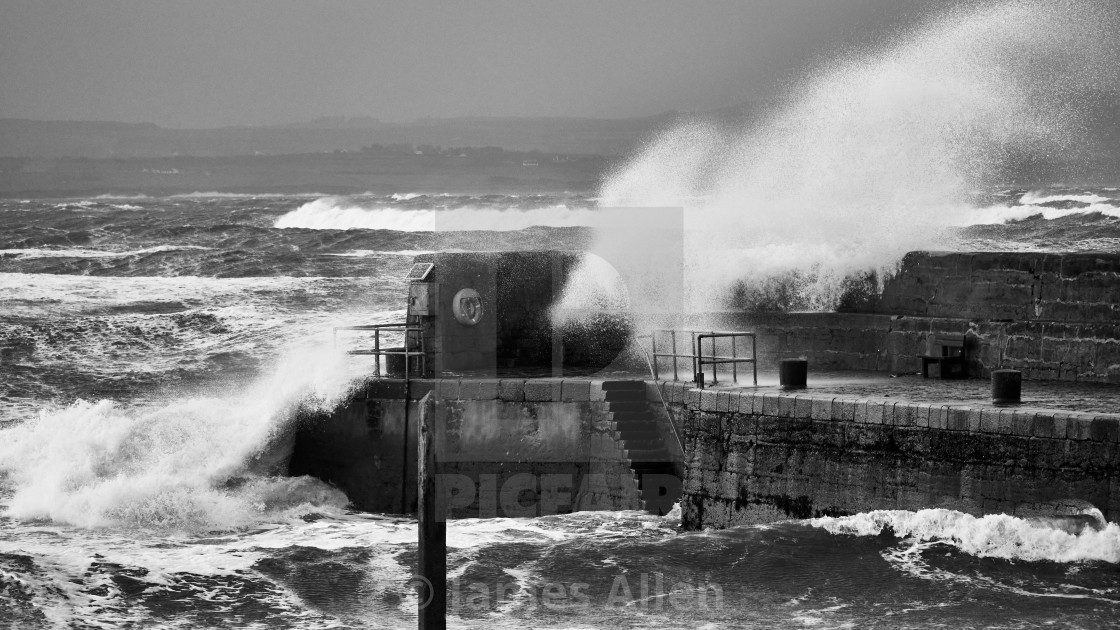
pixel 408 330
pixel 696 355
pixel 716 360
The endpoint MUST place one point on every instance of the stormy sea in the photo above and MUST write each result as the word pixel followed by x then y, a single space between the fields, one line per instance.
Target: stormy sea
pixel 156 352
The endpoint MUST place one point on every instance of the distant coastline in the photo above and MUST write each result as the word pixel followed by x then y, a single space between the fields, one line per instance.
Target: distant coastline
pixel 334 173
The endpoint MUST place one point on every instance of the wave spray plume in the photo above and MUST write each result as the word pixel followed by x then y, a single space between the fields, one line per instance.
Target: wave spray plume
pixel 199 464
pixel 878 152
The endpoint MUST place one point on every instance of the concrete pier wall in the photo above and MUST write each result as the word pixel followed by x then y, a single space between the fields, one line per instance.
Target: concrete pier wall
pixel 513 447
pixel 753 458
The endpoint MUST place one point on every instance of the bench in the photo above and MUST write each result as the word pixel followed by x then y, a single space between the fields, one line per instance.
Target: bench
pixel 947 351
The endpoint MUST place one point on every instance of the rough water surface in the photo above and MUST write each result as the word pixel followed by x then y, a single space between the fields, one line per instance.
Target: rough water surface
pixel 153 354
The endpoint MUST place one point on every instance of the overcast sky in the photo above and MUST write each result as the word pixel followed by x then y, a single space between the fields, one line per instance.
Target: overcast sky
pixel 207 63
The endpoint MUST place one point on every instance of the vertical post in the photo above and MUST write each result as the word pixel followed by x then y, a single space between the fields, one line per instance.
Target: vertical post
pixel 734 364
pixel 715 366
pixel 653 348
pixel 673 336
pixel 754 357
pixel 695 361
pixel 432 524
pixel 377 352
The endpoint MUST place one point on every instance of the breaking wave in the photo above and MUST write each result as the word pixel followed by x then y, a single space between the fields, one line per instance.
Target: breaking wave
pixel 195 464
pixel 992 536
pixel 341 213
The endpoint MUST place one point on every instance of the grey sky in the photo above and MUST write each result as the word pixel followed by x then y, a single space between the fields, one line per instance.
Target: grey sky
pixel 201 63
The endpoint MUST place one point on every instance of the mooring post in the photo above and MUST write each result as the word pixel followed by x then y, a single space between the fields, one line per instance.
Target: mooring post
pixel 432 525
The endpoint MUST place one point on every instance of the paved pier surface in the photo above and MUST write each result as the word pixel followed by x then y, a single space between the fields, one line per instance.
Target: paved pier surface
pixel 1056 395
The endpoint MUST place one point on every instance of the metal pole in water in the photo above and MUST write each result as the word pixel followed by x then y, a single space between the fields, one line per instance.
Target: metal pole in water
pixel 431 525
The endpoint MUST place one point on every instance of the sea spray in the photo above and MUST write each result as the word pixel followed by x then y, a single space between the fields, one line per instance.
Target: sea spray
pixel 877 153
pixel 188 465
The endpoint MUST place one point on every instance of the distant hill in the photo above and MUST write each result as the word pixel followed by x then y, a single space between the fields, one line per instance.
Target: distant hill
pixel 350 155
pixel 93 139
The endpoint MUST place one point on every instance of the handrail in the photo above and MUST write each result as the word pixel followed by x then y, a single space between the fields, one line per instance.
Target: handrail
pixel 696 354
pixel 733 359
pixel 664 403
pixel 378 352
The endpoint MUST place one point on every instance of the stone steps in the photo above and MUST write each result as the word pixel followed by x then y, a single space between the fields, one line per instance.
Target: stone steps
pixel 636 429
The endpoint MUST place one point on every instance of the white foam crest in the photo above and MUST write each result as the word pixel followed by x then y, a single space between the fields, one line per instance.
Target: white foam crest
pixel 96 253
pixel 366 253
pixel 195 464
pixel 1007 214
pixel 341 213
pixel 111 196
pixel 1040 197
pixel 993 535
pixel 876 154
pixel 229 195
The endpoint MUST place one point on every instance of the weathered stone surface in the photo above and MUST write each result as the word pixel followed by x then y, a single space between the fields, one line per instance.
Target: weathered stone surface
pixel 575 390
pixel 511 390
pixel 537 390
pixel 709 400
pixel 851 456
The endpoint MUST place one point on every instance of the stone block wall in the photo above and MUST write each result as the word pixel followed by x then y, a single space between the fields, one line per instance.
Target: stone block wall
pixel 1070 287
pixel 544 444
pixel 753 458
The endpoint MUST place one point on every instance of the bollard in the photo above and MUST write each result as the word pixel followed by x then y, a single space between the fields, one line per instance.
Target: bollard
pixel 1007 387
pixel 793 373
pixel 394 363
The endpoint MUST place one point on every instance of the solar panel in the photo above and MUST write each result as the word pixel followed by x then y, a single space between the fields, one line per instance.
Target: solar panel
pixel 419 271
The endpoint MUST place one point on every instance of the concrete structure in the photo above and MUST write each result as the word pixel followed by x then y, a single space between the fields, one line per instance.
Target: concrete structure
pixel 516 292
pixel 511 447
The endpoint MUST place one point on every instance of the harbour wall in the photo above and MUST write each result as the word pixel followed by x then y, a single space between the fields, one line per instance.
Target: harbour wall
pixel 758 457
pixel 511 447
